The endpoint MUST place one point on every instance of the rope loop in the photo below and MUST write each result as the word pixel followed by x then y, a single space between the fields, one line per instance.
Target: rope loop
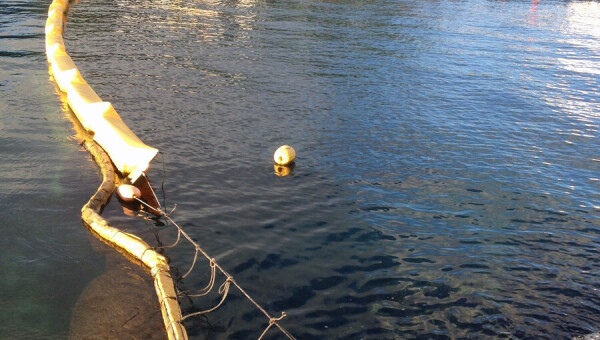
pixel 224 290
pixel 211 283
pixel 192 266
pixel 225 286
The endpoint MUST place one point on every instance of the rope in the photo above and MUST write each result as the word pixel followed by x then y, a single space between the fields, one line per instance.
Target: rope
pixel 164 171
pixel 224 288
pixel 193 264
pixel 160 272
pixel 210 284
pixel 272 321
pixel 174 243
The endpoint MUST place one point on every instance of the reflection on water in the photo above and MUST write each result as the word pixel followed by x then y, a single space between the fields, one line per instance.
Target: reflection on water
pixel 582 24
pixel 581 33
pixel 449 173
pixel 284 170
pixel 446 182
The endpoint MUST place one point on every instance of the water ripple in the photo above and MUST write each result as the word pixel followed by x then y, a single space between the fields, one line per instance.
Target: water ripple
pixel 446 183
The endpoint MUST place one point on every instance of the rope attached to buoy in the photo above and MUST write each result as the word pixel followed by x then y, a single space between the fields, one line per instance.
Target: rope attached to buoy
pixel 110 134
pixel 132 245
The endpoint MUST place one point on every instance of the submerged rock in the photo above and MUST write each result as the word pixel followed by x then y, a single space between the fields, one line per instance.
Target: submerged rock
pixel 119 304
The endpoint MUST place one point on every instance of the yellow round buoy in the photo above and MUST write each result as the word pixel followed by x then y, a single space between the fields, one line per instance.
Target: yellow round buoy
pixel 284 155
pixel 128 192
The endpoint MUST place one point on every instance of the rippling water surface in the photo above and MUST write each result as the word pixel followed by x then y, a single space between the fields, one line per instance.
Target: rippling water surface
pixel 447 177
pixel 46 259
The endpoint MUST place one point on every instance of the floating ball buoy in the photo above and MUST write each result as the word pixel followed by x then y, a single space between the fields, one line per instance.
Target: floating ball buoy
pixel 284 155
pixel 128 192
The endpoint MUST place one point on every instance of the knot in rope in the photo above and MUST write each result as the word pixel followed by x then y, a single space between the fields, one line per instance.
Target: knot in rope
pixel 224 287
pixel 274 320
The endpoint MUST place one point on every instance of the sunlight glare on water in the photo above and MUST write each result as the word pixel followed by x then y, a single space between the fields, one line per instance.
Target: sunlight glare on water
pixel 445 151
pixel 446 182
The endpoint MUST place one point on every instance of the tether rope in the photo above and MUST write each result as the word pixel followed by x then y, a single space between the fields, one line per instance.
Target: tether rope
pixel 224 288
pixel 157 264
pixel 204 291
pixel 80 96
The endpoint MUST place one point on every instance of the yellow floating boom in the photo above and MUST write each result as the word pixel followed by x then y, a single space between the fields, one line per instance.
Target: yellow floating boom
pixel 119 146
pixel 129 154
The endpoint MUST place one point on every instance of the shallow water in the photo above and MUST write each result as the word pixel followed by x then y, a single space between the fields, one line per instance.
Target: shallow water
pixel 447 174
pixel 46 255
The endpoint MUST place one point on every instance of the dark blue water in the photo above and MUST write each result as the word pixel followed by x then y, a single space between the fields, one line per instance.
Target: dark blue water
pixel 46 258
pixel 446 184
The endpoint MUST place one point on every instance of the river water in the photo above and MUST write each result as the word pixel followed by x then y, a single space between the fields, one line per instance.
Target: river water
pixel 446 183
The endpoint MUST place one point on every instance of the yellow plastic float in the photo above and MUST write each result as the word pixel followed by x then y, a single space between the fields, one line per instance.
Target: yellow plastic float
pixel 119 146
pixel 284 155
pixel 113 143
pixel 129 154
